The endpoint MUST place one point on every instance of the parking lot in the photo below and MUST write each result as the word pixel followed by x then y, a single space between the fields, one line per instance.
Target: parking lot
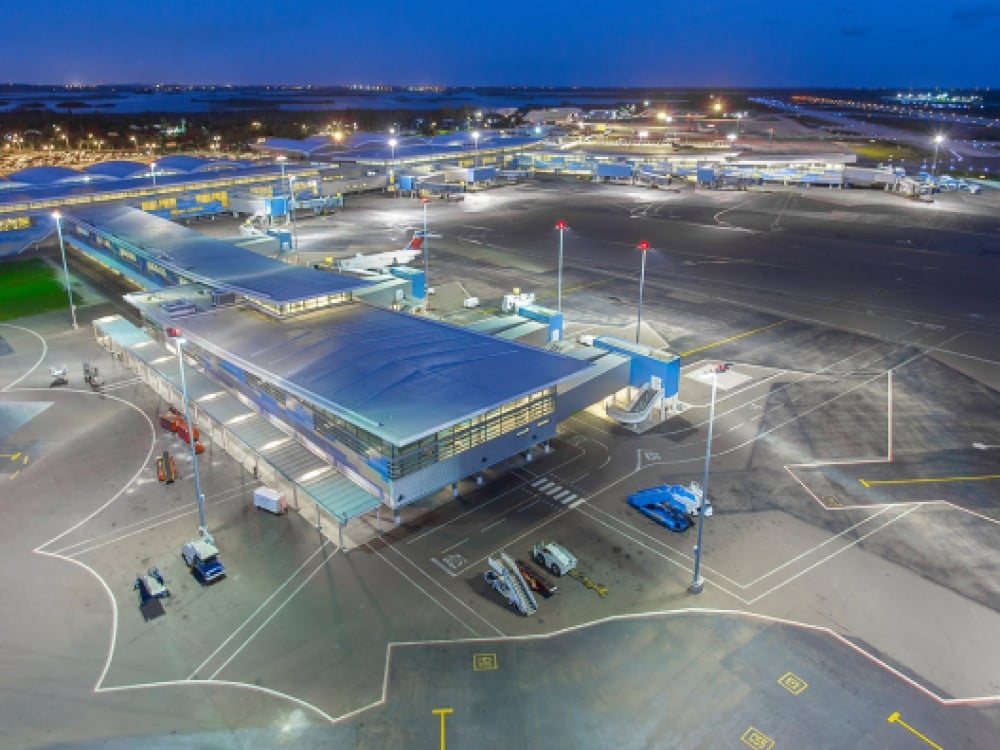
pixel 853 544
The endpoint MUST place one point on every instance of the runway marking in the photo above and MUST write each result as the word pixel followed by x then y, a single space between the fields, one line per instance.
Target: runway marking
pixel 928 480
pixel 738 336
pixel 38 362
pixel 456 544
pixel 832 555
pixel 894 719
pixel 793 683
pixel 437 583
pixel 274 614
pixel 259 609
pixel 484 662
pixel 756 739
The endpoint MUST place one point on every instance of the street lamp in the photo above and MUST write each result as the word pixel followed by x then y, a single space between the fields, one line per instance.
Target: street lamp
pixel 475 141
pixel 392 145
pixel 62 251
pixel 561 226
pixel 644 246
pixel 937 142
pixel 202 525
pixel 427 261
pixel 291 208
pixel 152 172
pixel 697 582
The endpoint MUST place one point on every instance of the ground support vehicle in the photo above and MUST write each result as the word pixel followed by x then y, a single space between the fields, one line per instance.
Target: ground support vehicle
pixel 174 421
pixel 151 590
pixel 264 498
pixel 661 512
pixel 151 586
pixel 686 500
pixel 505 578
pixel 166 468
pixel 535 580
pixel 92 376
pixel 554 557
pixel 59 375
pixel 202 557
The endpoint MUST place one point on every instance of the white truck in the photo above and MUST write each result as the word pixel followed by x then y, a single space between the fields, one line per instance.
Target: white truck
pixel 264 498
pixel 554 557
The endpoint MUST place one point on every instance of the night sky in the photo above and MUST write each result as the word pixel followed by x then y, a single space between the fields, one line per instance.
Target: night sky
pixel 947 43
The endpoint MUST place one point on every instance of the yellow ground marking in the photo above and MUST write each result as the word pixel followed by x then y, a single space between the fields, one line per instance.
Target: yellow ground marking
pixel 756 739
pixel 894 719
pixel 442 712
pixel 689 352
pixel 11 456
pixel 927 480
pixel 484 662
pixel 14 475
pixel 792 683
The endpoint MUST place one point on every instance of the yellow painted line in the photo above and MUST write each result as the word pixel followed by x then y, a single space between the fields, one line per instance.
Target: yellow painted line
pixel 928 480
pixel 11 456
pixel 14 475
pixel 894 719
pixel 738 336
pixel 442 712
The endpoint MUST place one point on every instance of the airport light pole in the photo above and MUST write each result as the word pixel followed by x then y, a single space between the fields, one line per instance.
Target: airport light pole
pixel 475 141
pixel 644 246
pixel 938 139
pixel 202 524
pixel 152 172
pixel 427 260
pixel 62 251
pixel 697 582
pixel 561 226
pixel 291 209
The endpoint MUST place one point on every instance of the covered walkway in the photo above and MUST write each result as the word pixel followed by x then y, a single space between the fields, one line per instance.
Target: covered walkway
pixel 280 459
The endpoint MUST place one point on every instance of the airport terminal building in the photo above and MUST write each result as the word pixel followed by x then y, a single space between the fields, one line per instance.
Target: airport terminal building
pixel 316 384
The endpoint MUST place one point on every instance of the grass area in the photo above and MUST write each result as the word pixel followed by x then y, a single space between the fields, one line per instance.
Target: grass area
pixel 884 150
pixel 30 287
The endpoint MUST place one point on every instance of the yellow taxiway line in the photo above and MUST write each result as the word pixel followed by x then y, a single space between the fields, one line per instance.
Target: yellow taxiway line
pixel 689 352
pixel 927 480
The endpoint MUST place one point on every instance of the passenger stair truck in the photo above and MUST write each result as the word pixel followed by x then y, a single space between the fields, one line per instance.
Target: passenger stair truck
pixel 507 579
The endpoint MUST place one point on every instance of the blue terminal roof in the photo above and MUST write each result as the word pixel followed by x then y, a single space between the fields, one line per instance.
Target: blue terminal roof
pixel 118 168
pixel 376 146
pixel 210 261
pixel 399 376
pixel 46 175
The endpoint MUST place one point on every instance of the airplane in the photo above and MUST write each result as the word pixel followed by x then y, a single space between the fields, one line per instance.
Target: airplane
pixel 381 261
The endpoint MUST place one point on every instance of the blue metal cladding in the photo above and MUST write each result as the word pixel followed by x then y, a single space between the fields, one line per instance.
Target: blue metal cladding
pixel 614 170
pixel 643 367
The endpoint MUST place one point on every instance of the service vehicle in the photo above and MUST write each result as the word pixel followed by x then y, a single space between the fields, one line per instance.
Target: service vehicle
pixel 264 498
pixel 686 500
pixel 662 512
pixel 202 557
pixel 506 579
pixel 536 580
pixel 554 557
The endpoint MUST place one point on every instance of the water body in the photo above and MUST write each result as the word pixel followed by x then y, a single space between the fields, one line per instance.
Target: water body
pixel 139 99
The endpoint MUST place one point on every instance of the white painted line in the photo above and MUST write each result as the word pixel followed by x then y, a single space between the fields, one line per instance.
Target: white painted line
pixel 538 482
pixel 495 523
pixel 274 614
pixel 552 490
pixel 857 541
pixel 456 544
pixel 559 495
pixel 577 503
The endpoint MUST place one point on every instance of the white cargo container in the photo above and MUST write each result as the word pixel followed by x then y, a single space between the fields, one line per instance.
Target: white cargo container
pixel 268 499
